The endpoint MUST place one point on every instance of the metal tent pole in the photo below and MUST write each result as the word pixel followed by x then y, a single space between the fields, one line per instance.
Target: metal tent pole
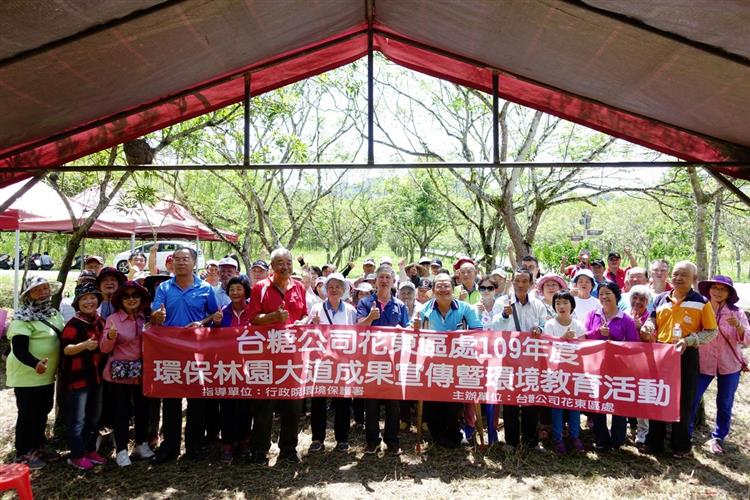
pixel 370 96
pixel 17 268
pixel 495 118
pixel 246 137
pixel 132 242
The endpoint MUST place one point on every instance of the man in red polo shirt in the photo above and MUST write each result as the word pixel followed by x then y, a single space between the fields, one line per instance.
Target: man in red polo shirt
pixel 614 272
pixel 277 301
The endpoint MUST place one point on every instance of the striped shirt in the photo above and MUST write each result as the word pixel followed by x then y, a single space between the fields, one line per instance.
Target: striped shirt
pixel 694 314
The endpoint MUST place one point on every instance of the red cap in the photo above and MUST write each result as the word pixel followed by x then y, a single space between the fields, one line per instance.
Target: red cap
pixel 463 260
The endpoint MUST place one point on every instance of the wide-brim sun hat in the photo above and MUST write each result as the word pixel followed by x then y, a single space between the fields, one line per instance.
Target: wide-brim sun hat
pixel 705 286
pixel 131 285
pixel 550 277
pixel 339 277
pixel 35 281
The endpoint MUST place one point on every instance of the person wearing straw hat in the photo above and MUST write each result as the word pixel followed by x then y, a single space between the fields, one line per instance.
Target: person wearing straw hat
pixel 80 374
pixel 31 366
pixel 722 357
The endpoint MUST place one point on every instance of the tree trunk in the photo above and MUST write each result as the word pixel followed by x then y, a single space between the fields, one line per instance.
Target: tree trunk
pixel 699 242
pixel 713 269
pixel 738 256
pixel 79 233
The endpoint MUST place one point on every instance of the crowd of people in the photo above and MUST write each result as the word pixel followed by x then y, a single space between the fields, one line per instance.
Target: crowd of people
pixel 89 353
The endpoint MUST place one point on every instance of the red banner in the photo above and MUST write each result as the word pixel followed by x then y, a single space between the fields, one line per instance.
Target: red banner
pixel 633 379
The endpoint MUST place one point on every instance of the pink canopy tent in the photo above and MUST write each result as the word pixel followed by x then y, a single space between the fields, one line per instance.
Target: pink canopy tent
pixel 164 220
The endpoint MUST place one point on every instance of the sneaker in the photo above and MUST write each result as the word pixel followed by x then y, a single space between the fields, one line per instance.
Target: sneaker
pixel 144 451
pixel 394 450
pixel 31 460
pixel 227 453
pixel 316 447
pixel 714 445
pixel 559 448
pixel 95 458
pixel 372 449
pixel 342 447
pixel 122 459
pixel 577 446
pixel 81 463
pixel 258 458
pixel 359 427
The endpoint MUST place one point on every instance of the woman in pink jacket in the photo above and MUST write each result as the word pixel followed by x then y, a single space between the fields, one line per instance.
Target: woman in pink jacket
pixel 122 339
pixel 722 357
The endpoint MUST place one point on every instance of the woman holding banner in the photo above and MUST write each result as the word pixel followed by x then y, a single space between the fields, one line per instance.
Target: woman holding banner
pixel 234 413
pixel 610 323
pixel 722 357
pixel 332 311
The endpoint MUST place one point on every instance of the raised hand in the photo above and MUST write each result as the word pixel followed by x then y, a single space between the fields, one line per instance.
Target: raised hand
pixel 374 312
pixel 158 316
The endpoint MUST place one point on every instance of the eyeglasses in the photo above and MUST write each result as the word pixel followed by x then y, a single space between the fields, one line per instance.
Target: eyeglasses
pixel 486 288
pixel 129 296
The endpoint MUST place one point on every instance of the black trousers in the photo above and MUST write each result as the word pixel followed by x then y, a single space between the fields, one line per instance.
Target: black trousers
pixel 372 422
pixel 33 405
pixel 235 420
pixel 358 411
pixel 525 432
pixel 213 418
pixel 342 418
pixel 171 424
pixel 289 410
pixel 128 399
pixel 405 414
pixel 657 430
pixel 442 420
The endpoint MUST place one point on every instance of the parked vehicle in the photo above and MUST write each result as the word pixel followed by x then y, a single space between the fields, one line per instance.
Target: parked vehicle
pixel 164 249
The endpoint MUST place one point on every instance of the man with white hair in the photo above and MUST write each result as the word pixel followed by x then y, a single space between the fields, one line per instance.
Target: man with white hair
pixel 685 311
pixel 277 301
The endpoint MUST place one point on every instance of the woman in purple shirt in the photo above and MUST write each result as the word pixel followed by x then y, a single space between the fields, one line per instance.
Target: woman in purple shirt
pixel 609 323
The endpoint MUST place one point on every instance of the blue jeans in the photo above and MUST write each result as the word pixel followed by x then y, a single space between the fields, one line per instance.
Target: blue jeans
pixel 574 423
pixel 84 410
pixel 605 438
pixel 727 386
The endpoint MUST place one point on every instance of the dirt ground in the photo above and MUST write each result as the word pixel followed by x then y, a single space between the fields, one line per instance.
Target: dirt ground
pixel 435 473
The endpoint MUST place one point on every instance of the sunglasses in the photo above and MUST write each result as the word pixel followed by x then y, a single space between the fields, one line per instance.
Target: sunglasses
pixel 128 296
pixel 486 288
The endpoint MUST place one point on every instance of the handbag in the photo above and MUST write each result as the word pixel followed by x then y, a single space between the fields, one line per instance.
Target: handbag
pixel 122 369
pixel 744 368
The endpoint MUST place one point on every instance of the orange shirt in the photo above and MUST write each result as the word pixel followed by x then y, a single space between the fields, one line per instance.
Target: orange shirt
pixel 693 314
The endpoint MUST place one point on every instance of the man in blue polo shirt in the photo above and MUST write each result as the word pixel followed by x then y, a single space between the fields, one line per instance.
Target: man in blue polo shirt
pixel 183 301
pixel 382 309
pixel 444 313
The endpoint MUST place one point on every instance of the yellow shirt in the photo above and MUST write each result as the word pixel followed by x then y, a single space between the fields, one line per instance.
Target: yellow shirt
pixel 693 314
